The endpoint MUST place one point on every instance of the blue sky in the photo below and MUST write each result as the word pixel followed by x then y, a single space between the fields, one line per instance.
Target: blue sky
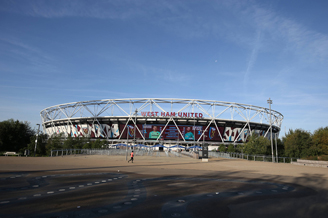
pixel 54 52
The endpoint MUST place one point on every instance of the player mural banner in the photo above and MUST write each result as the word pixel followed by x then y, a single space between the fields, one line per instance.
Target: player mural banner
pixel 189 133
pixel 214 133
pixel 130 131
pixel 153 131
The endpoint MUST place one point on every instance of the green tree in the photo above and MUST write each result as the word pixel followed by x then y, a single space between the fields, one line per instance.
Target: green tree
pixel 69 142
pixel 54 143
pixel 80 142
pixel 222 148
pixel 257 145
pixel 14 135
pixel 297 143
pixel 320 142
pixel 240 148
pixel 87 145
pixel 280 146
pixel 231 148
pixel 75 142
pixel 40 147
pixel 98 144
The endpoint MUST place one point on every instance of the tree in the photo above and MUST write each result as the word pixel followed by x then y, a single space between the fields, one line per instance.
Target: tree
pixel 54 143
pixel 40 147
pixel 14 135
pixel 280 147
pixel 240 147
pixel 231 148
pixel 320 142
pixel 222 148
pixel 87 145
pixel 297 143
pixel 69 143
pixel 75 142
pixel 98 143
pixel 257 145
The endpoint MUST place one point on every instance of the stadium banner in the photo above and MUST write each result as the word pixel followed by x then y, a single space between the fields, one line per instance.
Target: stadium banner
pixel 131 130
pixel 232 134
pixel 86 130
pixel 95 130
pixel 189 132
pixel 213 134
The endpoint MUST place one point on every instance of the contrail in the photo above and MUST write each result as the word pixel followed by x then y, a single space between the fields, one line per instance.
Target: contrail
pixel 252 58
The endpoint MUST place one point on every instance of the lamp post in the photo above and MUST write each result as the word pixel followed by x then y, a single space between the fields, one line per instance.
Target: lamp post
pixel 270 102
pixel 36 139
pixel 135 123
pixel 203 131
pixel 127 142
pixel 204 149
pixel 276 148
pixel 204 138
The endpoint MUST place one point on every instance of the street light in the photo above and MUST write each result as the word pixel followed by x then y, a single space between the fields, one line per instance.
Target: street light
pixel 36 140
pixel 135 123
pixel 270 102
pixel 203 132
pixel 276 149
pixel 127 142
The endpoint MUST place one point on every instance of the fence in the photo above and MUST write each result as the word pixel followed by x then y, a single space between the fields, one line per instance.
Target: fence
pixel 263 158
pixel 168 153
pixel 113 151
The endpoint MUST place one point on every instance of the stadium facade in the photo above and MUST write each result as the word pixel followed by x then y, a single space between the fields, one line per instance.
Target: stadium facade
pixel 161 120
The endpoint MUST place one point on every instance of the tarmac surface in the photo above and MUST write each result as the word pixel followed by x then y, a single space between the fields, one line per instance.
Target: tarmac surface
pixel 152 186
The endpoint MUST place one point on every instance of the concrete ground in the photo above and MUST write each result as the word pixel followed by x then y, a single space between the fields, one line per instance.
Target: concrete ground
pixel 108 186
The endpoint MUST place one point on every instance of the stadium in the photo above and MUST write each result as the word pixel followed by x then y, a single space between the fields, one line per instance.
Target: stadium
pixel 161 121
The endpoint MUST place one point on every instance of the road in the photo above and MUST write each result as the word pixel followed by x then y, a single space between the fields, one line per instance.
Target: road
pixel 108 186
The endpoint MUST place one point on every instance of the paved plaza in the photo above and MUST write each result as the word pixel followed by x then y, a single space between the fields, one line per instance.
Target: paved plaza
pixel 159 186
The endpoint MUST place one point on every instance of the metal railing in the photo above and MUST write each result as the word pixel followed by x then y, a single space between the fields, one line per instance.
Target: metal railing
pixel 256 157
pixel 114 152
pixel 167 153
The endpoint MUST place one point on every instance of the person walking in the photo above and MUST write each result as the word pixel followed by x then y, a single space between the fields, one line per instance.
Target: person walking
pixel 131 157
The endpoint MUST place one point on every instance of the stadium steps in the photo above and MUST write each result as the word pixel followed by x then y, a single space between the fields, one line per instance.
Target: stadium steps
pixel 311 163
